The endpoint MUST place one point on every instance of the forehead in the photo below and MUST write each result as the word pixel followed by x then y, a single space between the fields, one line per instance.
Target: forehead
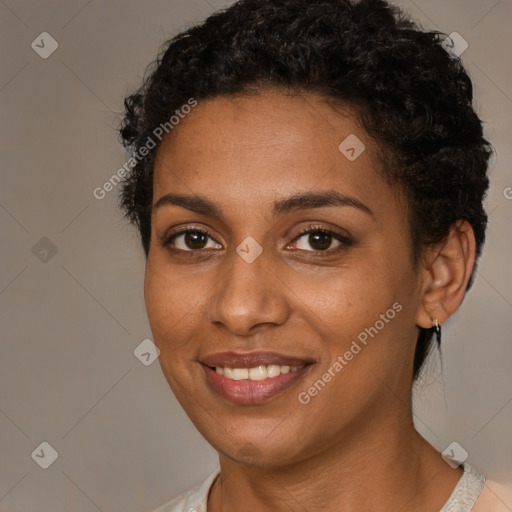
pixel 260 147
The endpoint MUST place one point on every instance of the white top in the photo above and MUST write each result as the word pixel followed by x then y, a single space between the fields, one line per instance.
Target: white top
pixel 462 499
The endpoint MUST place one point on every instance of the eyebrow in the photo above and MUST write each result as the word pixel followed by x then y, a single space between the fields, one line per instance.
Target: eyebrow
pixel 303 201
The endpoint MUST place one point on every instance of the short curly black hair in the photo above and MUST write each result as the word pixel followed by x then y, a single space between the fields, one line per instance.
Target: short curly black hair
pixel 409 92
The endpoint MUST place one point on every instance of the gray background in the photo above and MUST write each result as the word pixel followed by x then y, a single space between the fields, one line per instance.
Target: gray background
pixel 68 374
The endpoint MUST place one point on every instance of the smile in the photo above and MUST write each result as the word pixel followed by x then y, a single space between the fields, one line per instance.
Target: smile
pixel 260 372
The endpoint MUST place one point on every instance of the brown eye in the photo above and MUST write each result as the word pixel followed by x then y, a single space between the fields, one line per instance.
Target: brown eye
pixel 195 240
pixel 321 240
pixel 190 240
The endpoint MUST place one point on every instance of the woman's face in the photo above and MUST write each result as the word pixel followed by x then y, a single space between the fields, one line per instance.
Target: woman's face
pixel 240 285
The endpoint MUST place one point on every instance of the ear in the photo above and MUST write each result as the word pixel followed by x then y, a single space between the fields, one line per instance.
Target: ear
pixel 446 271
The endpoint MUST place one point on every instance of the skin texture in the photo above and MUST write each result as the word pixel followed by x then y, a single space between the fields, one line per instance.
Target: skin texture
pixel 243 154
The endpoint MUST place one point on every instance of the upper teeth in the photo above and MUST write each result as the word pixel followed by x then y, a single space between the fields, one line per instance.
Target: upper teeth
pixel 261 372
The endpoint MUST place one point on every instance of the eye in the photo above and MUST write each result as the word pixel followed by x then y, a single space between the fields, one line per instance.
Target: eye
pixel 321 240
pixel 190 240
pixel 312 239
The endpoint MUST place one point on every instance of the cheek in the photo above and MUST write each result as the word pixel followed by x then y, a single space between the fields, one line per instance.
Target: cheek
pixel 167 309
pixel 168 294
pixel 365 315
pixel 157 299
pixel 166 302
pixel 350 299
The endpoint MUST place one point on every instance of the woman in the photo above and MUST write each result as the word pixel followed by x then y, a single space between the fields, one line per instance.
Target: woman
pixel 308 183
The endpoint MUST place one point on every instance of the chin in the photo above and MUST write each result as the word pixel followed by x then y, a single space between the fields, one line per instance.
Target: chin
pixel 266 452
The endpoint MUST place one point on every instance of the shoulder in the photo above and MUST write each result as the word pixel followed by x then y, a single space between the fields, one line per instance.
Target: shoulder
pixel 193 500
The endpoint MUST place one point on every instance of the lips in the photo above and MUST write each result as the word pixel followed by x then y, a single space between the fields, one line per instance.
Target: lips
pixel 252 359
pixel 246 391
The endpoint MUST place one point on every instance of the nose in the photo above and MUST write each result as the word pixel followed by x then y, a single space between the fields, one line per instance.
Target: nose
pixel 249 295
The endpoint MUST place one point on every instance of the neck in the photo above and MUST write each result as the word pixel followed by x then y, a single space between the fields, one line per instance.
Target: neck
pixel 385 466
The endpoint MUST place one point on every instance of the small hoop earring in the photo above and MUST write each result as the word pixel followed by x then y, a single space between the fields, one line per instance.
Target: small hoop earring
pixel 437 329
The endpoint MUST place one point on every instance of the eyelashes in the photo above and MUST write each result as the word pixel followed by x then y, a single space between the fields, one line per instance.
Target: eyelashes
pixel 323 232
pixel 204 239
pixel 168 241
